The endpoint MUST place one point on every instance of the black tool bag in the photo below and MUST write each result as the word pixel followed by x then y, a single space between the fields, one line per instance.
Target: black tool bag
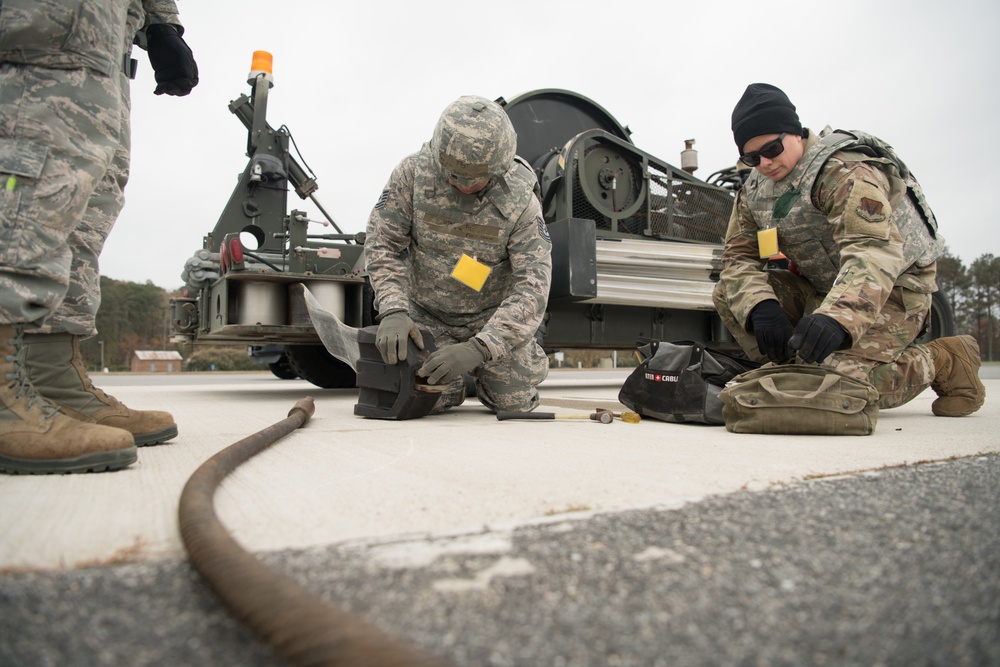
pixel 680 382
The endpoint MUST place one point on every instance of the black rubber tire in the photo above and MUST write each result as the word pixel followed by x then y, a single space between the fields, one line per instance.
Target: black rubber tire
pixel 283 369
pixel 315 364
pixel 942 318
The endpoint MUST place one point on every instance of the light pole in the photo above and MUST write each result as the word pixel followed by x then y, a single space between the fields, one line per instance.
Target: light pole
pixel 101 343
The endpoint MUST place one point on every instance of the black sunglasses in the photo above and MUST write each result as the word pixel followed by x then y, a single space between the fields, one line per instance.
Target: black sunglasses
pixel 770 150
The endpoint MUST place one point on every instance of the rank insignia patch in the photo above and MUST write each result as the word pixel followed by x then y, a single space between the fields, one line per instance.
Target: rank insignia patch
pixel 382 199
pixel 543 229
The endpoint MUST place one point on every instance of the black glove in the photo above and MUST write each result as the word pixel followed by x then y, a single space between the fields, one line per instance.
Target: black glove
pixel 816 337
pixel 393 333
pixel 772 328
pixel 451 362
pixel 173 63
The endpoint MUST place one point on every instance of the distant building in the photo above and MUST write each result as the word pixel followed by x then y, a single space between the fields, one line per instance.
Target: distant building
pixel 157 361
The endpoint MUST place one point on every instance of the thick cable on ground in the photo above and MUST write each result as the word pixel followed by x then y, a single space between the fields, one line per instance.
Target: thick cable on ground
pixel 300 626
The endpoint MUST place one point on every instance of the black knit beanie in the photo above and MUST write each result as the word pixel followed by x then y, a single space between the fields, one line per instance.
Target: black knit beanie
pixel 763 109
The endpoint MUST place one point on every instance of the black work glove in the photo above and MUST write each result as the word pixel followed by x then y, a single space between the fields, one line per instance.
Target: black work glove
pixel 391 338
pixel 452 361
pixel 772 328
pixel 173 63
pixel 816 337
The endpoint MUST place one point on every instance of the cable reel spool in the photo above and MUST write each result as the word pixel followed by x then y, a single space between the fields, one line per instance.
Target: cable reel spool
pixel 566 135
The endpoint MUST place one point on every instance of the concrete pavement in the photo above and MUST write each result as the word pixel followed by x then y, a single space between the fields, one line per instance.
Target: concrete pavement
pixel 897 567
pixel 445 507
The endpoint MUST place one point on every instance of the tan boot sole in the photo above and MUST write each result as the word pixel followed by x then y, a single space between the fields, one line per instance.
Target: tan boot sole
pixel 115 459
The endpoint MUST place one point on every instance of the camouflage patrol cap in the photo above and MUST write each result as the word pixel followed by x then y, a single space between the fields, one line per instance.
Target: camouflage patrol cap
pixel 474 140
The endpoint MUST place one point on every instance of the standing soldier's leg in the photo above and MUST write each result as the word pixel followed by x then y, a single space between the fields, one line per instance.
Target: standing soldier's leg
pixel 77 312
pixel 59 130
pixel 58 133
pixel 53 359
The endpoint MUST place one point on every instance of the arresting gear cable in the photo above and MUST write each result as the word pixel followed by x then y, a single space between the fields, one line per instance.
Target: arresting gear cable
pixel 299 625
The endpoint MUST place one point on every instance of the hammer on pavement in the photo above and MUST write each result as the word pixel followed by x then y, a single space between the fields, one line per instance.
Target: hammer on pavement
pixel 626 416
pixel 602 416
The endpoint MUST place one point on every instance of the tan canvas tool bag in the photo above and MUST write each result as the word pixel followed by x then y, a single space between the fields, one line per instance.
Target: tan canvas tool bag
pixel 796 399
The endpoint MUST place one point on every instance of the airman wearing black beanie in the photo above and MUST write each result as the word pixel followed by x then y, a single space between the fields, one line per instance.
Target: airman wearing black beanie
pixel 763 109
pixel 865 261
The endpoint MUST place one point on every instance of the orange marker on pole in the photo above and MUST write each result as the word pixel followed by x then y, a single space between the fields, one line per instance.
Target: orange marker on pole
pixel 261 64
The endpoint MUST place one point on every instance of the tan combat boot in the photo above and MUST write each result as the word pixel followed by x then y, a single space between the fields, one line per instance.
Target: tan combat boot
pixel 36 438
pixel 56 369
pixel 956 376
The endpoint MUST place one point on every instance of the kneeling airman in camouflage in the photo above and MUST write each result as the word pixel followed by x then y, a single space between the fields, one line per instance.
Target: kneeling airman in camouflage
pixel 457 245
pixel 863 248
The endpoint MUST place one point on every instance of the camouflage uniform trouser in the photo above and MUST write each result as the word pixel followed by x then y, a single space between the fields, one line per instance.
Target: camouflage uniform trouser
pixel 63 162
pixel 886 356
pixel 78 311
pixel 506 384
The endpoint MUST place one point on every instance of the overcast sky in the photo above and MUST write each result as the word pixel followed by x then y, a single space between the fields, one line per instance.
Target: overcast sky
pixel 361 84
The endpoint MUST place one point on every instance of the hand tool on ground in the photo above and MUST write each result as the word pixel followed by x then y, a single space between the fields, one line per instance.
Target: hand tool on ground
pixel 604 417
pixel 627 416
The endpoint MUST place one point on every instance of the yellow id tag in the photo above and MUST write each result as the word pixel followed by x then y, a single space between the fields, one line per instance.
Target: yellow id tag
pixel 767 242
pixel 470 272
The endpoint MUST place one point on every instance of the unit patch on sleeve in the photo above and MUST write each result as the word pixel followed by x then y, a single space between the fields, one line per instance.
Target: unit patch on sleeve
pixel 867 212
pixel 871 210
